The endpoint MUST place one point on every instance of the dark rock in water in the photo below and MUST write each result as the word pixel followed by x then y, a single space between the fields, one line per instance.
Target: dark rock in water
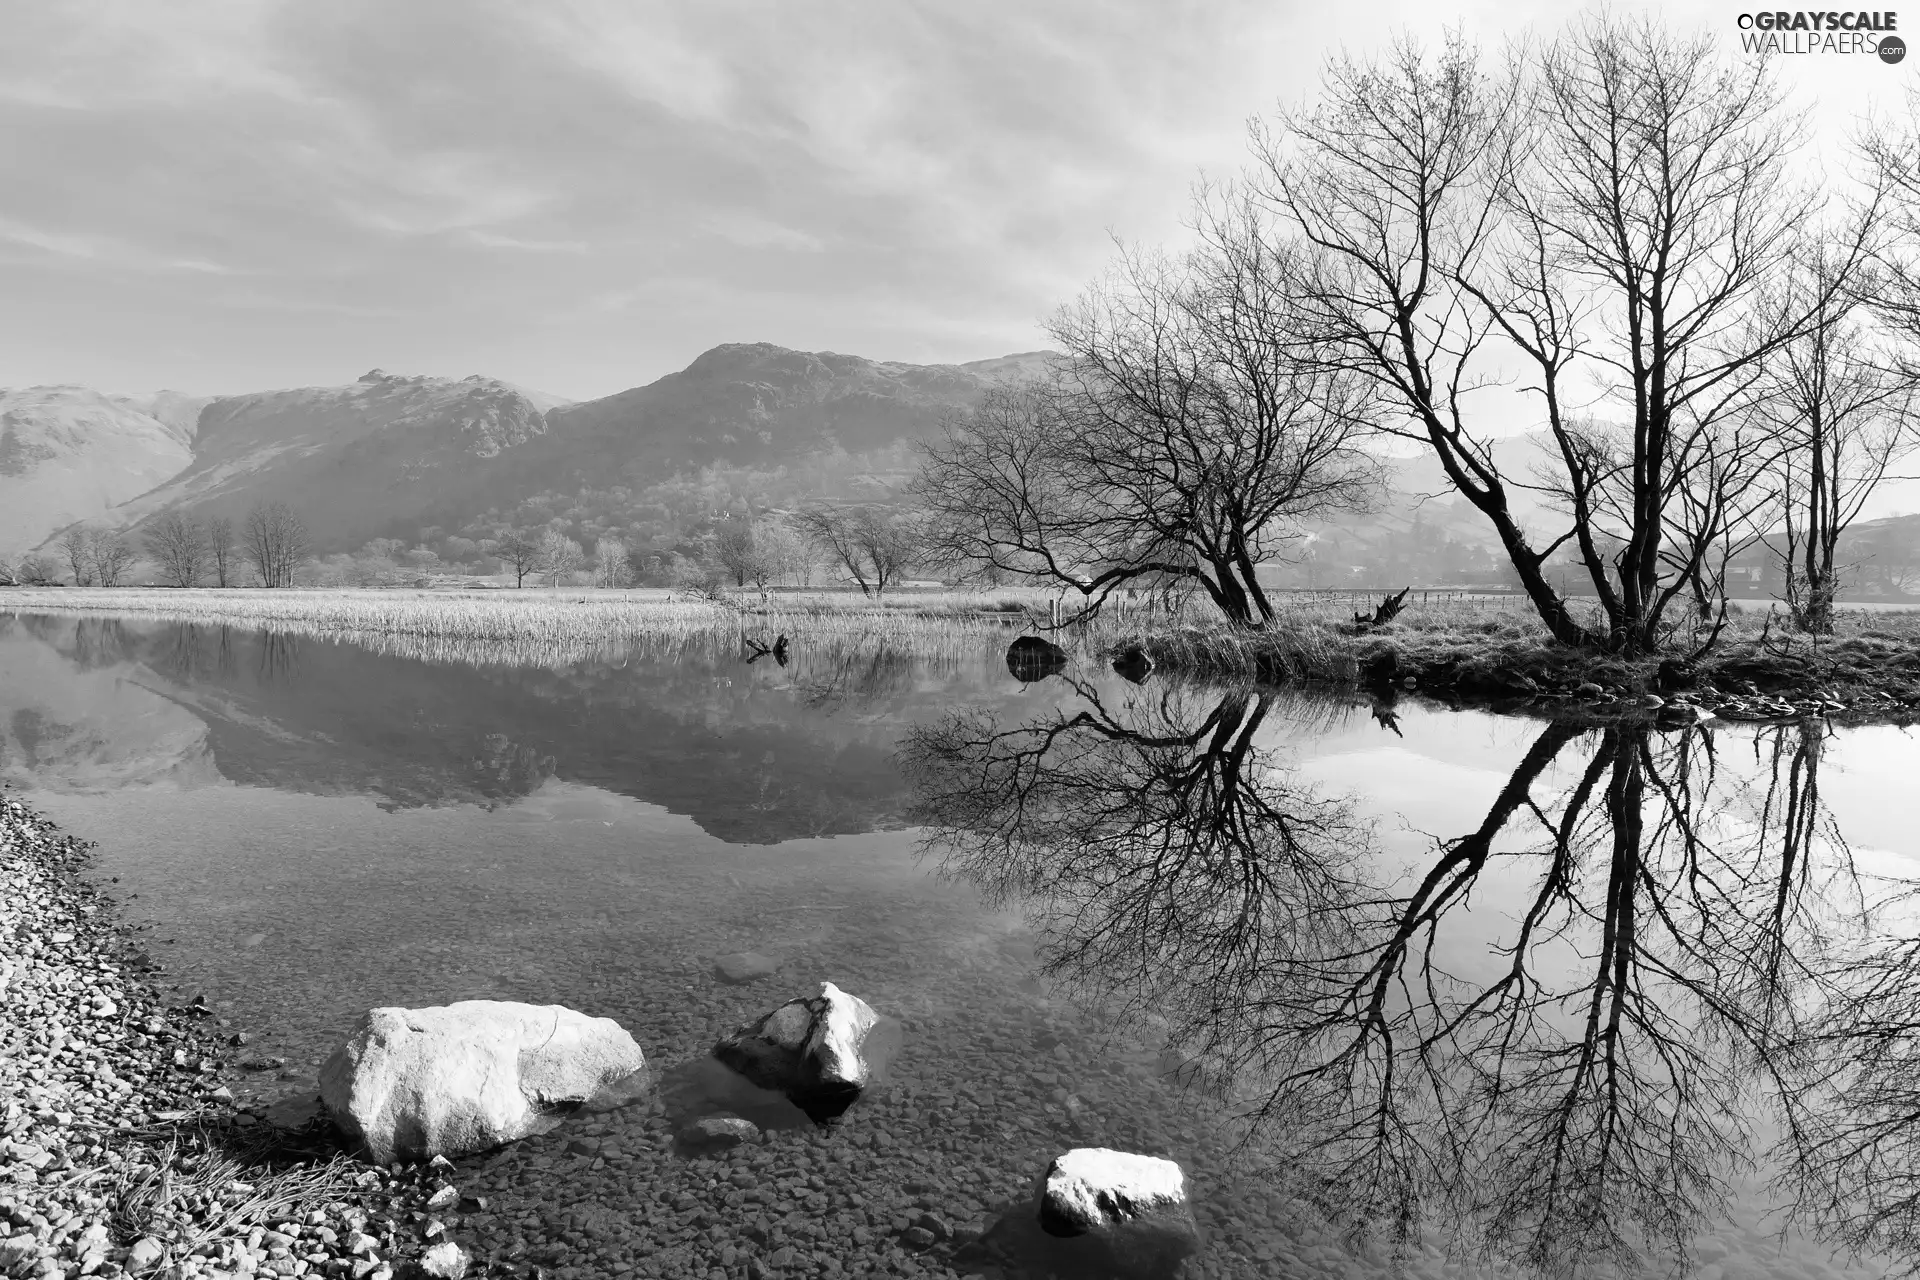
pixel 1030 658
pixel 1132 663
pixel 744 966
pixel 809 1049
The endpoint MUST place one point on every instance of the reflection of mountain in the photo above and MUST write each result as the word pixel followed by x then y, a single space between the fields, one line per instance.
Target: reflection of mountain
pixel 746 752
pixel 1551 1032
pixel 79 723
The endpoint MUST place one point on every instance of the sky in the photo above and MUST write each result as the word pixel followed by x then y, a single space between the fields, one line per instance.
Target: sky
pixel 581 196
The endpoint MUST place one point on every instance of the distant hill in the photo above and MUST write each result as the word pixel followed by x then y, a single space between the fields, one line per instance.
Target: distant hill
pixel 352 459
pixel 68 454
pixel 389 455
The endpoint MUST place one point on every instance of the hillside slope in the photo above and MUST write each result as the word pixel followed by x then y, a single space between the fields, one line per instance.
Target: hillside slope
pixel 390 455
pixel 68 453
pixel 355 460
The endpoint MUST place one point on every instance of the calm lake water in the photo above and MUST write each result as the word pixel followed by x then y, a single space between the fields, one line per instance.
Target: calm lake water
pixel 1492 995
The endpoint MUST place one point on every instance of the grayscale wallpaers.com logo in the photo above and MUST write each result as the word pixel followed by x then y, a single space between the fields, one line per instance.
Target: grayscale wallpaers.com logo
pixel 1828 32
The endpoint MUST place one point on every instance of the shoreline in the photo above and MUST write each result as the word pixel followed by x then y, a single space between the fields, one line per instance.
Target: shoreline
pixel 120 1150
pixel 1869 675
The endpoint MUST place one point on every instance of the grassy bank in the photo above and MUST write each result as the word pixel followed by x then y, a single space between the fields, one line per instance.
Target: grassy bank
pixel 1870 666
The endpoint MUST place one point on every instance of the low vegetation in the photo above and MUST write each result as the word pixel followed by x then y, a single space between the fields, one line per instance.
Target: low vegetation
pixel 1488 650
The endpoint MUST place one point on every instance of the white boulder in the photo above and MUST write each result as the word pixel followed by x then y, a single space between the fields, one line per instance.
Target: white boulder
pixel 1130 1208
pixel 410 1084
pixel 810 1049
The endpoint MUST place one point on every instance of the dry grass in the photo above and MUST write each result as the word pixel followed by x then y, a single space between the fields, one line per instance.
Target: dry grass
pixel 193 1185
pixel 550 626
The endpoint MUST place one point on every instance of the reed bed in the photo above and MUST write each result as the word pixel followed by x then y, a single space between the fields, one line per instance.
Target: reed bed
pixel 544 625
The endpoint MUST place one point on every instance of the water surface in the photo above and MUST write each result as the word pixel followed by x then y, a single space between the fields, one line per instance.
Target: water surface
pixel 1497 994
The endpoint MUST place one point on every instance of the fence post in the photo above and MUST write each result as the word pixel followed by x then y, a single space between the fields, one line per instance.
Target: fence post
pixel 1053 611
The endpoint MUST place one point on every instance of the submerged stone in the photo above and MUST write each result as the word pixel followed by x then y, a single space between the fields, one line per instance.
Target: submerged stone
pixel 809 1049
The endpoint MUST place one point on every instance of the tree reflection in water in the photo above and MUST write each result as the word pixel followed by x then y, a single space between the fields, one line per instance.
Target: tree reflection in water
pixel 1554 1033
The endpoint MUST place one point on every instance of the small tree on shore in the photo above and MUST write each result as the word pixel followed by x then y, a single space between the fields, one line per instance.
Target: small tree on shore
pixel 735 551
pixel 876 546
pixel 610 563
pixel 31 570
pixel 1840 410
pixel 779 553
pixel 76 545
pixel 220 550
pixel 518 552
pixel 560 557
pixel 113 557
pixel 275 541
pixel 178 548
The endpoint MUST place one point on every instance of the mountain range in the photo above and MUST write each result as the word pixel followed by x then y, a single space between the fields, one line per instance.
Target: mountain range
pixel 390 454
pixel 423 459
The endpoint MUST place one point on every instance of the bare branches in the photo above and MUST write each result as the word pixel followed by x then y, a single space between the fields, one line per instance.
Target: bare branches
pixel 875 545
pixel 518 552
pixel 1178 442
pixel 274 541
pixel 178 548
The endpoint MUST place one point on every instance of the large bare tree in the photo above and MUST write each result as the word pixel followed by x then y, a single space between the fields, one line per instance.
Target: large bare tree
pixel 275 541
pixel 1179 440
pixel 1601 221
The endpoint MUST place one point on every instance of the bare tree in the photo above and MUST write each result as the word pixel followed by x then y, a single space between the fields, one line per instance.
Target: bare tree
pixel 1610 211
pixel 560 557
pixel 1180 441
pixel 875 545
pixel 1841 412
pixel 778 552
pixel 76 544
pixel 274 540
pixel 610 563
pixel 733 547
pixel 31 570
pixel 178 548
pixel 518 552
pixel 113 557
pixel 220 549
